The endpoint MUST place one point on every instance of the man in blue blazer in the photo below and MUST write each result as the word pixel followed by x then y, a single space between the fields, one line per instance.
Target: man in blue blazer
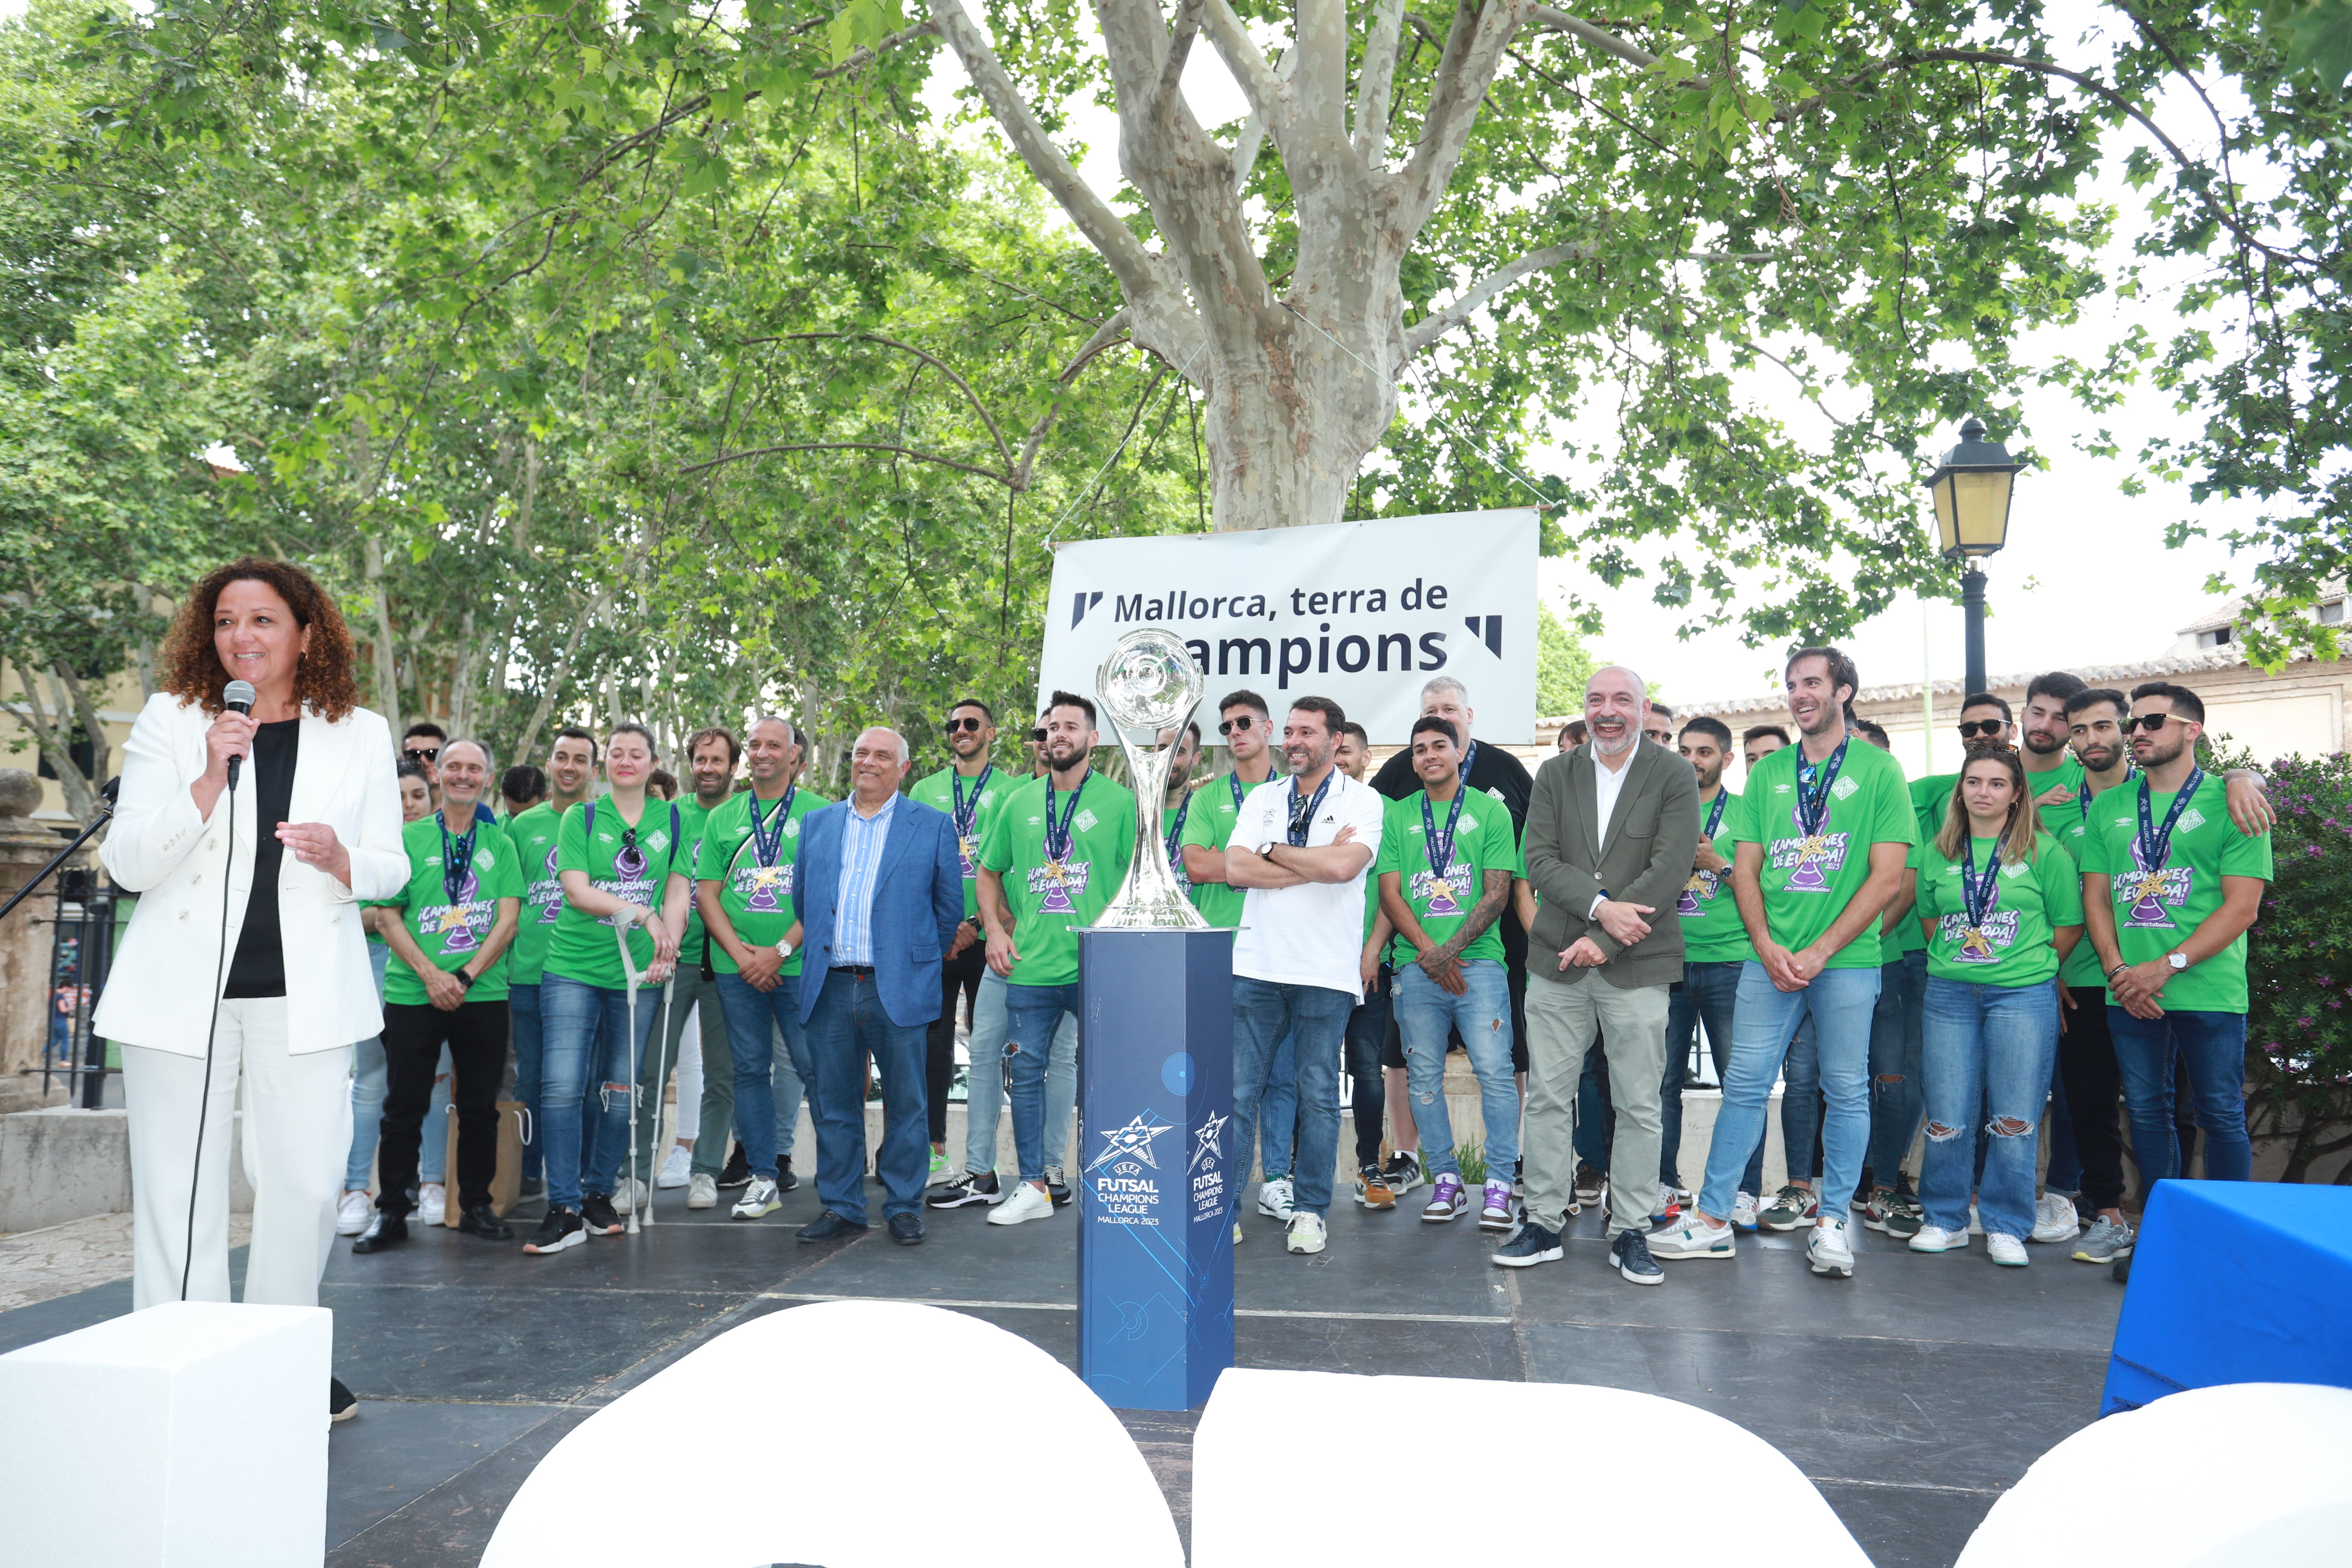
pixel 880 894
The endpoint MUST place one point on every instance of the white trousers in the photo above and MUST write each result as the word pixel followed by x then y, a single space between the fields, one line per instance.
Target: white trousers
pixel 298 1133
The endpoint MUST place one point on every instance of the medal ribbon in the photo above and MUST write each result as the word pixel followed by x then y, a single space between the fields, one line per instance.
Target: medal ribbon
pixel 767 843
pixel 1302 813
pixel 1440 848
pixel 457 858
pixel 2156 843
pixel 1714 815
pixel 1814 788
pixel 964 813
pixel 1176 834
pixel 1977 892
pixel 1057 834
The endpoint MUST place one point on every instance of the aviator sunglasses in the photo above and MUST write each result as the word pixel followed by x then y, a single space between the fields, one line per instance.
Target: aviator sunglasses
pixel 973 725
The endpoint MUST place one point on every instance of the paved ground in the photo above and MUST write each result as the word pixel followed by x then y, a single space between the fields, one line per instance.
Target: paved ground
pixel 1913 1395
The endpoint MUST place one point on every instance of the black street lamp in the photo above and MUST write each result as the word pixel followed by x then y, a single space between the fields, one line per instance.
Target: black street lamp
pixel 1971 487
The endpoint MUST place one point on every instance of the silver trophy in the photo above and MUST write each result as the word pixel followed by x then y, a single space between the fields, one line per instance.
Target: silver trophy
pixel 1147 684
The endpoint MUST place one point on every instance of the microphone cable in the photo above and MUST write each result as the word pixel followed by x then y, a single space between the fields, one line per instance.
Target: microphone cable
pixel 204 1100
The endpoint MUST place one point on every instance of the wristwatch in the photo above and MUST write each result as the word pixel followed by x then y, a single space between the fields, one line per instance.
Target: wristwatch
pixel 463 979
pixel 1265 850
pixel 2178 960
pixel 783 950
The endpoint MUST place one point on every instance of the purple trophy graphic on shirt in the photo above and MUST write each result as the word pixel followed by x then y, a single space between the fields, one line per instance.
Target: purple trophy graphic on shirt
pixel 1442 891
pixel 768 885
pixel 2147 890
pixel 630 862
pixel 547 911
pixel 1688 903
pixel 1057 880
pixel 1813 850
pixel 455 921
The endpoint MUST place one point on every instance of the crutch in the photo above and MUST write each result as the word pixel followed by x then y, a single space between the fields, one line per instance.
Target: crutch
pixel 661 1080
pixel 635 977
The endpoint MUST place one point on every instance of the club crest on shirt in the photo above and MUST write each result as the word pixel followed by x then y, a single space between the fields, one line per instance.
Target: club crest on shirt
pixel 1442 897
pixel 1056 882
pixel 1809 858
pixel 2149 895
pixel 764 889
pixel 1085 820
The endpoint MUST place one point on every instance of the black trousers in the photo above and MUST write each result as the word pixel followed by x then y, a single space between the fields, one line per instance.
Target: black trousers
pixel 2095 1088
pixel 414 1033
pixel 957 976
pixel 1368 1032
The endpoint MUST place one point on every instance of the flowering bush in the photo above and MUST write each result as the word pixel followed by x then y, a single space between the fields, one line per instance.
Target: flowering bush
pixel 2299 971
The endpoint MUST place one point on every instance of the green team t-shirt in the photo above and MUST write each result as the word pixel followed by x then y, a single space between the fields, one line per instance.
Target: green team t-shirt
pixel 2015 946
pixel 452 933
pixel 583 949
pixel 938 791
pixel 1809 881
pixel 2071 825
pixel 2157 906
pixel 692 816
pixel 758 898
pixel 1484 841
pixel 1050 903
pixel 1210 823
pixel 1932 796
pixel 1712 930
pixel 533 833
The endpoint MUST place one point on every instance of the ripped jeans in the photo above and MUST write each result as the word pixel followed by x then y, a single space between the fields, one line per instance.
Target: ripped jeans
pixel 1988 1050
pixel 1483 1013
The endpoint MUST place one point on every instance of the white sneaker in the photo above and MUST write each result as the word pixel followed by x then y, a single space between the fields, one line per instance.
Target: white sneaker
pixel 1743 1212
pixel 1828 1251
pixel 1237 1235
pixel 1691 1237
pixel 1026 1204
pixel 631 1194
pixel 2007 1251
pixel 1307 1233
pixel 675 1168
pixel 760 1199
pixel 1275 1199
pixel 351 1213
pixel 2054 1219
pixel 1935 1238
pixel 432 1204
pixel 702 1192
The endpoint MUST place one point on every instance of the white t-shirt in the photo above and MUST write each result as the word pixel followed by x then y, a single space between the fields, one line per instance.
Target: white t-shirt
pixel 1312 934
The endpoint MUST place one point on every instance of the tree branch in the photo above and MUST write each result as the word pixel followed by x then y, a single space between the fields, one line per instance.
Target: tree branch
pixel 919 456
pixel 1375 79
pixel 1252 132
pixel 928 358
pixel 1553 20
pixel 1172 70
pixel 1473 50
pixel 1114 327
pixel 1259 84
pixel 1437 323
pixel 865 54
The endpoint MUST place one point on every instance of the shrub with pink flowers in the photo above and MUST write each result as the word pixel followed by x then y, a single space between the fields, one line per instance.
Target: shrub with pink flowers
pixel 2299 970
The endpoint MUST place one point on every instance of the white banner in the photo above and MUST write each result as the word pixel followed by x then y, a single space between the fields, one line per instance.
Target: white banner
pixel 1362 612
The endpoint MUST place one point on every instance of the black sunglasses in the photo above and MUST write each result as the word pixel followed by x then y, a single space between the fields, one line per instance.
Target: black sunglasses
pixel 2151 723
pixel 628 840
pixel 1244 724
pixel 1989 728
pixel 1038 735
pixel 420 753
pixel 971 724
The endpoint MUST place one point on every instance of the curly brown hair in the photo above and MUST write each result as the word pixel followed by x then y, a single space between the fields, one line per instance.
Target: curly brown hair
pixel 324 681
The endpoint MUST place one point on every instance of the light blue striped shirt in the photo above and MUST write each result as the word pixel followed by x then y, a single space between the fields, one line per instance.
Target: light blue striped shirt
pixel 862 839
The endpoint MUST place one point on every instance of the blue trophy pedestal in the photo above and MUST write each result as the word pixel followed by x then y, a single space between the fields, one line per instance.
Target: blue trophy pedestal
pixel 1157 1169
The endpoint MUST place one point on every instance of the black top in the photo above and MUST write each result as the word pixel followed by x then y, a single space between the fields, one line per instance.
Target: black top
pixel 258 967
pixel 1491 771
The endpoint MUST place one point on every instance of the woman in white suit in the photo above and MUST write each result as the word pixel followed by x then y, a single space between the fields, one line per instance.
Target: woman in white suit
pixel 246 944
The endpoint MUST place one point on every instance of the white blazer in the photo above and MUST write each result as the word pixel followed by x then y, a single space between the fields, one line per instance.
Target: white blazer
pixel 161 990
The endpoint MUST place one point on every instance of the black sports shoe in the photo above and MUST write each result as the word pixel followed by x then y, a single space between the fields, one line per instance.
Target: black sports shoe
pixel 1533 1244
pixel 385 1231
pixel 597 1213
pixel 829 1227
pixel 560 1229
pixel 1632 1251
pixel 907 1229
pixel 967 1190
pixel 1058 1185
pixel 341 1403
pixel 482 1220
pixel 737 1172
pixel 785 1180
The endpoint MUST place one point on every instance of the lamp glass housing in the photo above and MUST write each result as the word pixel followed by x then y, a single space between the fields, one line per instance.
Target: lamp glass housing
pixel 1972 510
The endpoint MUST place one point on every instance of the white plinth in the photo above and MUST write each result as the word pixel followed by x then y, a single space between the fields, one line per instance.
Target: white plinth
pixel 190 1435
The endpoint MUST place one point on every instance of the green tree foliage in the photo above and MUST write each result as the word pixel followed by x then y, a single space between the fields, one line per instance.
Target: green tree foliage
pixel 2299 960
pixel 1562 666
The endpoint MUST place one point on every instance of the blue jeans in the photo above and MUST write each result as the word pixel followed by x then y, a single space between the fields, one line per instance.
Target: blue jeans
pixel 523 1019
pixel 2064 1173
pixel 1706 993
pixel 1765 1019
pixel 846 1027
pixel 586 1042
pixel 1989 1054
pixel 2213 1047
pixel 753 1016
pixel 1898 1095
pixel 1033 1022
pixel 1277 1111
pixel 1263 1013
pixel 985 1083
pixel 1482 1012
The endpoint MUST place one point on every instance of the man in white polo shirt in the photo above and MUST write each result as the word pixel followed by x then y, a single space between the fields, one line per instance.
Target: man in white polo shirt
pixel 1299 852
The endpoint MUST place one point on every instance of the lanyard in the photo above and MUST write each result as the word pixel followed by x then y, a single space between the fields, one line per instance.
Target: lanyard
pixel 1440 847
pixel 1176 834
pixel 1234 782
pixel 1302 813
pixel 2156 843
pixel 1469 761
pixel 1057 834
pixel 1977 892
pixel 767 843
pixel 457 858
pixel 1814 788
pixel 965 813
pixel 1714 815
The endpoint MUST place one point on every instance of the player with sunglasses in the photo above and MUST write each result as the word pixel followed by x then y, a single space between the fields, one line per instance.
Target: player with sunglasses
pixel 967 792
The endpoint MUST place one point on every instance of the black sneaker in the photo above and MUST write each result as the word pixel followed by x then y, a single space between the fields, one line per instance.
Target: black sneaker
pixel 341 1403
pixel 967 1190
pixel 597 1213
pixel 1533 1244
pixel 560 1229
pixel 785 1180
pixel 737 1172
pixel 1632 1251
pixel 1402 1173
pixel 1058 1185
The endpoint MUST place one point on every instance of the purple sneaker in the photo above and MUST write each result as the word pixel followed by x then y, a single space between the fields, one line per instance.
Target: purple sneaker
pixel 1449 1201
pixel 1494 1213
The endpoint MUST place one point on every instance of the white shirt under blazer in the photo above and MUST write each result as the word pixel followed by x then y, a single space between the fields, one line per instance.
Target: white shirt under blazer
pixel 160 847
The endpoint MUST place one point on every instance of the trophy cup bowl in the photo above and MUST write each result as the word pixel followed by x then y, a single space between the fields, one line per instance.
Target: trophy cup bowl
pixel 1148 683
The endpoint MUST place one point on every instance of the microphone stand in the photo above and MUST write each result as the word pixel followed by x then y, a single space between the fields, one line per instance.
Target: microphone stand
pixel 107 793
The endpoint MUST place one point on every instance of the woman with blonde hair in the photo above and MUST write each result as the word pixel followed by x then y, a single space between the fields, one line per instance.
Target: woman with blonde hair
pixel 2001 905
pixel 251 838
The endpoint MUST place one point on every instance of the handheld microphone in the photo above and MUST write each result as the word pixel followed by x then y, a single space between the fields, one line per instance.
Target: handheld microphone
pixel 237 697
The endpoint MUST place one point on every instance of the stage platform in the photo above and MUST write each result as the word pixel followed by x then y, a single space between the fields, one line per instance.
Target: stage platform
pixel 1912 1395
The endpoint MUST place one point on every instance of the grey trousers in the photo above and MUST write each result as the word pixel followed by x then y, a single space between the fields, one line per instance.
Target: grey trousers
pixel 1563 1016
